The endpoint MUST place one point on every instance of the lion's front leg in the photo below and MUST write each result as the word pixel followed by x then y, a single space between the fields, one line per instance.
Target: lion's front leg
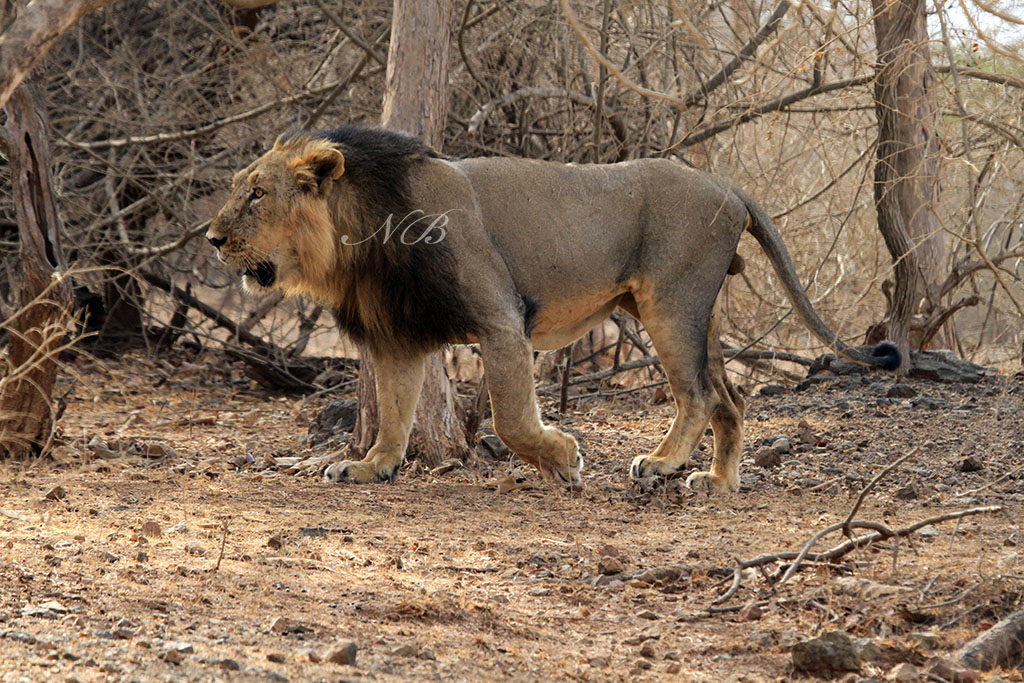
pixel 508 364
pixel 399 383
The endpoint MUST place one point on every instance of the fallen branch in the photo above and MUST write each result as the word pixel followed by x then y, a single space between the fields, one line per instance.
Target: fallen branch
pixel 881 532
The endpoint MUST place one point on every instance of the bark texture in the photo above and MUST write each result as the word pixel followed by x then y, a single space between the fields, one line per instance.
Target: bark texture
pixel 39 325
pixel 416 102
pixel 906 168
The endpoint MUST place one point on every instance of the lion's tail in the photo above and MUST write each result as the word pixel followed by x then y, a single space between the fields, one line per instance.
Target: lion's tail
pixel 885 355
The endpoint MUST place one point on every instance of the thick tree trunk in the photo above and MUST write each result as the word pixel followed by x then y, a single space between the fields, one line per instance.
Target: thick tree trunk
pixel 416 102
pixel 906 169
pixel 39 326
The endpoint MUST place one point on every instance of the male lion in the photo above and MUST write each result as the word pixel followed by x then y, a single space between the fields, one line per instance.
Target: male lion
pixel 415 251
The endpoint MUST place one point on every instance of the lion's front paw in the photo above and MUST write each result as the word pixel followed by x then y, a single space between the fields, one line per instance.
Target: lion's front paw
pixel 710 483
pixel 644 466
pixel 359 472
pixel 563 463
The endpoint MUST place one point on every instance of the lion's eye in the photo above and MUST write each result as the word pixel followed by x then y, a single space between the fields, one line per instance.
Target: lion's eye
pixel 256 193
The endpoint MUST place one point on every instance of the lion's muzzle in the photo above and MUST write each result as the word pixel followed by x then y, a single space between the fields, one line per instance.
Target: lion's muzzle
pixel 264 273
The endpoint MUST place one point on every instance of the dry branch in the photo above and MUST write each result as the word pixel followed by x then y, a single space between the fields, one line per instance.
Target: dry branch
pixel 31 35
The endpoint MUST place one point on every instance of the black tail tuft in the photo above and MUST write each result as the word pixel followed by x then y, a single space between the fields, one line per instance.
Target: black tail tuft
pixel 888 355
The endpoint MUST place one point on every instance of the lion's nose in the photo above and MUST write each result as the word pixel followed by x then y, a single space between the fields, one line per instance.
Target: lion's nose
pixel 217 242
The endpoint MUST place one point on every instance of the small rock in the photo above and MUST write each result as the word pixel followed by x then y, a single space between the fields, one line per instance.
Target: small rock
pixel 601 580
pixel 903 673
pixel 170 656
pixel 494 447
pixel 276 542
pixel 648 615
pixel 928 531
pixel 772 390
pixel 948 671
pixel 969 464
pixel 446 467
pixel 21 637
pixel 229 665
pixel 767 458
pixel 195 549
pixel 538 592
pixel 867 650
pixel 928 403
pixel 343 652
pixel 404 650
pixel 673 668
pixel 901 391
pixel 649 650
pixel 750 612
pixel 427 653
pixel 782 444
pixel 56 493
pixel 275 657
pixel 152 529
pixel 924 639
pixel 908 492
pixel 610 565
pixel 598 662
pixel 833 652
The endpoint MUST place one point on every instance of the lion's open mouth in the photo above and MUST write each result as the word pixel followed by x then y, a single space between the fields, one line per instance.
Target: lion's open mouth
pixel 264 273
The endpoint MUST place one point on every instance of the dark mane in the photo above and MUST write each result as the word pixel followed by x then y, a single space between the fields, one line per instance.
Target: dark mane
pixel 414 285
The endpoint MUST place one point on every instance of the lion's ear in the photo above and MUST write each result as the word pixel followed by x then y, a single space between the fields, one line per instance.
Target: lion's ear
pixel 317 166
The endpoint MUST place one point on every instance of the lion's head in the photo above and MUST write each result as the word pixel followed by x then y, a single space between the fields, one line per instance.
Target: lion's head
pixel 275 226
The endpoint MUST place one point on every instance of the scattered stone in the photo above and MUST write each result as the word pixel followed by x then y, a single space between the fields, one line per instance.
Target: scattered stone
pixel 538 592
pixel 925 639
pixel 275 657
pixel 833 652
pixel 152 529
pixel 494 447
pixel 56 493
pixel 21 637
pixel 908 492
pixel 649 650
pixel 1000 646
pixel 903 673
pixel 343 652
pixel 772 390
pixel 229 665
pixel 750 612
pixel 601 580
pixel 767 458
pixel 673 668
pixel 782 444
pixel 969 464
pixel 276 542
pixel 427 653
pixel 901 390
pixel 608 565
pixel 928 403
pixel 928 531
pixel 195 549
pixel 647 614
pixel 404 650
pixel 867 650
pixel 948 671
pixel 598 662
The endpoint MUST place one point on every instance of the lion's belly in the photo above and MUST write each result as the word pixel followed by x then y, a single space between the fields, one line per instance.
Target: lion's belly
pixel 562 323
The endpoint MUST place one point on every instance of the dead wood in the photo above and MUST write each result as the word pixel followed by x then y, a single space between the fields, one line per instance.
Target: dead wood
pixel 1000 646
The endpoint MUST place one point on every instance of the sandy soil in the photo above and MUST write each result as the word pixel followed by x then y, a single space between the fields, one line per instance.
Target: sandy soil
pixel 206 562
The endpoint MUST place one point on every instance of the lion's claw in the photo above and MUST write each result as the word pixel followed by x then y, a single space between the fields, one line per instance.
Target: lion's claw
pixel 359 472
pixel 709 483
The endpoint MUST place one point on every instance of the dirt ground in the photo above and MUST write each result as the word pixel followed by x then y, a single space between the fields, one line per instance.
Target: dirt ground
pixel 207 562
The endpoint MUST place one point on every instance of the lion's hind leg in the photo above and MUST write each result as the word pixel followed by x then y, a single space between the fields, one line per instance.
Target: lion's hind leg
pixel 726 422
pixel 679 345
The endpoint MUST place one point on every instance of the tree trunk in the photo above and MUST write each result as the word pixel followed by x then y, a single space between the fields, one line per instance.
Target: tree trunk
pixel 906 169
pixel 39 326
pixel 416 102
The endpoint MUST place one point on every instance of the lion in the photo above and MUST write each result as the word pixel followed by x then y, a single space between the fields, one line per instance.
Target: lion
pixel 415 251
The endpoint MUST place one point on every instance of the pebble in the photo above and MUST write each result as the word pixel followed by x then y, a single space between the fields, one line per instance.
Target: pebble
pixel 928 531
pixel 598 662
pixel 750 612
pixel 404 650
pixel 908 492
pixel 925 639
pixel 610 565
pixel 901 391
pixel 649 650
pixel 833 652
pixel 903 673
pixel 342 652
pixel 767 458
pixel 969 464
